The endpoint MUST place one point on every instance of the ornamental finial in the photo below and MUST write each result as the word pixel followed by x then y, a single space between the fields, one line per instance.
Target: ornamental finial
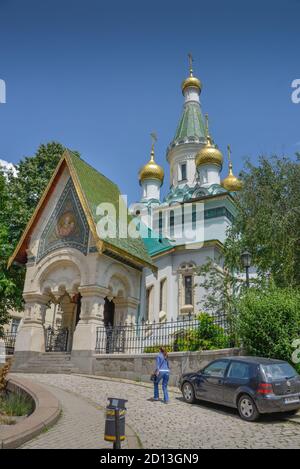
pixel 229 158
pixel 206 125
pixel 191 60
pixel 229 152
pixel 153 140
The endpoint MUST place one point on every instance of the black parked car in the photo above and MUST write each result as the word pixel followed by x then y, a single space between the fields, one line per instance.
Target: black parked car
pixel 253 385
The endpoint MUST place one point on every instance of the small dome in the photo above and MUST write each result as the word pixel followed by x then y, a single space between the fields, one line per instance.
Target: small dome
pixel 191 81
pixel 209 154
pixel 151 170
pixel 231 183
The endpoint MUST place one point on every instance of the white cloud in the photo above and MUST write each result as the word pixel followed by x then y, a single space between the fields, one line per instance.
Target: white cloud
pixel 8 167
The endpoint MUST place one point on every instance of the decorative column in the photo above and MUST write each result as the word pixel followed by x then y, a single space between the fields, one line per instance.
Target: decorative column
pixel 91 316
pixel 31 336
pixel 126 314
pixel 67 317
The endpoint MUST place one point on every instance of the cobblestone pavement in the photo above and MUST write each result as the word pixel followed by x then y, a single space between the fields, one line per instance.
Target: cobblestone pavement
pixel 81 425
pixel 176 425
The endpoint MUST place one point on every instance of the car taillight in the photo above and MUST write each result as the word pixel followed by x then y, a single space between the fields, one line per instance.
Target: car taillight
pixel 265 388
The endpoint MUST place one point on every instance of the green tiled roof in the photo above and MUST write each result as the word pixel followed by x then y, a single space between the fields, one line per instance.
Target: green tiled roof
pixel 154 243
pixel 99 189
pixel 157 245
pixel 191 123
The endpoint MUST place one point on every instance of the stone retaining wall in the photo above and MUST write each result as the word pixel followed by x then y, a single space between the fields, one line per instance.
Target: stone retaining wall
pixel 140 367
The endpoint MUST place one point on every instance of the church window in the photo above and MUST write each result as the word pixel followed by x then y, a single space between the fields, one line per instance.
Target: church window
pixel 172 223
pixel 194 216
pixel 183 171
pixel 188 289
pixel 160 223
pixel 163 295
pixel 149 304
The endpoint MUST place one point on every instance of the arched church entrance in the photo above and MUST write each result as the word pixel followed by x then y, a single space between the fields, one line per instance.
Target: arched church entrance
pixel 109 312
pixel 61 320
pixel 60 282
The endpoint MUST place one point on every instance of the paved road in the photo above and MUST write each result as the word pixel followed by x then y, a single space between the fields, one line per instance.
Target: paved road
pixel 177 425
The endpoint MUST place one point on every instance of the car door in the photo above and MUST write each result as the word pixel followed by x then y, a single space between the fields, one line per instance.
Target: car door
pixel 209 382
pixel 238 375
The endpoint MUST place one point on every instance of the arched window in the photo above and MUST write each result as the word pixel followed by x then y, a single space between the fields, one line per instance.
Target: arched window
pixel 163 295
pixel 149 304
pixel 172 223
pixel 186 287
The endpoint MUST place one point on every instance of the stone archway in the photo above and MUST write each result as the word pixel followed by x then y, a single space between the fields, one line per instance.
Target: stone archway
pixel 56 284
pixel 109 312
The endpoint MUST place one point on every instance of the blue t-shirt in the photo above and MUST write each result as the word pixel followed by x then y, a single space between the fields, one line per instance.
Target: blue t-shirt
pixel 162 363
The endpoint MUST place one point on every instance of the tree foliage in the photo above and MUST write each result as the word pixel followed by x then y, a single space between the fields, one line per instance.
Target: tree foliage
pixel 220 288
pixel 269 321
pixel 268 220
pixel 18 199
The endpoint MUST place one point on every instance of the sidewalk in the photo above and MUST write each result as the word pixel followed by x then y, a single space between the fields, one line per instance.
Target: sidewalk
pixel 81 425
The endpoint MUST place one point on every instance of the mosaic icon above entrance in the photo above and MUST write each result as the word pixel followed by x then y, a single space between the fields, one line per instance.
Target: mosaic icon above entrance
pixel 67 226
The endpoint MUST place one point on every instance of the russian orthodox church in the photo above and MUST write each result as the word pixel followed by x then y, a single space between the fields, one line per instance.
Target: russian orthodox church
pixel 197 201
pixel 77 280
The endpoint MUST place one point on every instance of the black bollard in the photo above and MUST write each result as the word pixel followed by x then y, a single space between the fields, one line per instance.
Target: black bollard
pixel 115 422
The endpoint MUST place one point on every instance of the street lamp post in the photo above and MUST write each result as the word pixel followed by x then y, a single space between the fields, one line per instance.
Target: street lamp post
pixel 246 261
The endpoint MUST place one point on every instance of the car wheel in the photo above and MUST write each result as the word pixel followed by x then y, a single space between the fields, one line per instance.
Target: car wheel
pixel 247 408
pixel 188 393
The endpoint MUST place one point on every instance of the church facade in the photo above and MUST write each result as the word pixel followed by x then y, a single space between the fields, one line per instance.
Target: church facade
pixel 78 280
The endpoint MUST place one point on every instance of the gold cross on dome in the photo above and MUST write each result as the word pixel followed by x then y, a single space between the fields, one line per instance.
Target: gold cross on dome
pixel 206 125
pixel 191 60
pixel 229 152
pixel 153 138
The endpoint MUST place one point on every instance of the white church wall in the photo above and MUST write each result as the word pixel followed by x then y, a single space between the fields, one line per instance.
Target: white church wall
pixel 168 267
pixel 183 154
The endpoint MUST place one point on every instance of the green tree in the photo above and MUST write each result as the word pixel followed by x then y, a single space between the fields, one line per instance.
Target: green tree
pixel 269 321
pixel 220 288
pixel 268 220
pixel 18 199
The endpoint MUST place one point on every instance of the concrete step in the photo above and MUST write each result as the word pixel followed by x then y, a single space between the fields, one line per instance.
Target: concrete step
pixel 49 362
pixel 48 370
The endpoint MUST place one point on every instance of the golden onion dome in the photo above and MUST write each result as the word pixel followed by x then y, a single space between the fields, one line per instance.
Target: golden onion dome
pixel 231 183
pixel 191 81
pixel 209 154
pixel 151 170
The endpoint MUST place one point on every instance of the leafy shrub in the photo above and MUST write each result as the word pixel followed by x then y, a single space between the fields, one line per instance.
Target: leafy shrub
pixel 269 321
pixel 156 348
pixel 3 375
pixel 15 404
pixel 206 336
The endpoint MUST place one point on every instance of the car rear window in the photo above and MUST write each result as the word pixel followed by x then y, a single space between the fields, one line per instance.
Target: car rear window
pixel 277 371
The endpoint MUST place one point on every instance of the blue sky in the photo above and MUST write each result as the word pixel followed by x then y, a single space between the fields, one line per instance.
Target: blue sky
pixel 100 76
